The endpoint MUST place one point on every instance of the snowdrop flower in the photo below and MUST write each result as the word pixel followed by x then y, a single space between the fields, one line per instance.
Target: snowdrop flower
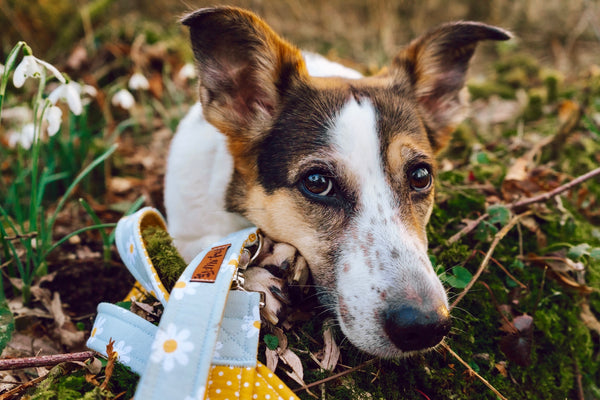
pixel 31 67
pixel 1 69
pixel 123 99
pixel 54 117
pixel 188 71
pixel 138 81
pixel 69 92
pixel 24 137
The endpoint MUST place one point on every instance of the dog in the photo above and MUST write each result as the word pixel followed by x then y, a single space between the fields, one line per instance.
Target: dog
pixel 336 168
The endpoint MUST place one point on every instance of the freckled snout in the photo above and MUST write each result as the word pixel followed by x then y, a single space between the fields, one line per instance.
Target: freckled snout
pixel 412 329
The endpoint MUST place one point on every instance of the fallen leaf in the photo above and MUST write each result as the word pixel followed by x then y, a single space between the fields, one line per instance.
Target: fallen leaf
pixel 293 361
pixel 272 359
pixel 589 318
pixel 517 343
pixel 331 351
pixel 567 272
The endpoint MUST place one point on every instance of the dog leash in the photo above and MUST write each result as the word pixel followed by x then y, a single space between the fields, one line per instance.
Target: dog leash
pixel 205 346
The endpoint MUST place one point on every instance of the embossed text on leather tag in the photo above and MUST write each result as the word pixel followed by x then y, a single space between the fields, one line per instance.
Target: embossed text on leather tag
pixel 209 266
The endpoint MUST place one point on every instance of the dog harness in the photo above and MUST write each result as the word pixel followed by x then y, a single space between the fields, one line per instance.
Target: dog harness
pixel 205 346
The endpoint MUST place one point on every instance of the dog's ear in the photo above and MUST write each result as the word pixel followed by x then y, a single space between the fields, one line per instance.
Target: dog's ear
pixel 436 64
pixel 243 66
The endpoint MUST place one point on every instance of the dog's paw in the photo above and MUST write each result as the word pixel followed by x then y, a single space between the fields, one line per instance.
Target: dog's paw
pixel 277 269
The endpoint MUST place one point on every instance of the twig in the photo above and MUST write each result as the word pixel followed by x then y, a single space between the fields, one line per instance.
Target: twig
pixel 336 376
pixel 14 391
pixel 468 228
pixel 503 268
pixel 472 371
pixel 580 392
pixel 522 203
pixel 41 361
pixel 557 191
pixel 497 238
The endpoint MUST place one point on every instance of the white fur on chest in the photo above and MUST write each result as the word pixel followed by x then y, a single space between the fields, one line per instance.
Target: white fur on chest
pixel 199 168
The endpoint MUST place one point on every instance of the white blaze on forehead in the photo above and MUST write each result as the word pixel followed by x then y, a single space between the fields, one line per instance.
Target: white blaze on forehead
pixel 380 261
pixel 356 139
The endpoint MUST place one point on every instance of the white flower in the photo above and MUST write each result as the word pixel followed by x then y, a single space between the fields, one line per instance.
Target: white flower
pixel 122 351
pixel 218 347
pixel 188 71
pixel 252 323
pixel 54 117
pixel 138 81
pixel 181 289
pixel 98 328
pixel 27 68
pixel 171 346
pixel 24 138
pixel 123 99
pixel 69 92
pixel 31 67
pixel 130 252
pixel 1 69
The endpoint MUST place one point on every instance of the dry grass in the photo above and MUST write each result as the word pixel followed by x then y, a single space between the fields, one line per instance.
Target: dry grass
pixel 562 33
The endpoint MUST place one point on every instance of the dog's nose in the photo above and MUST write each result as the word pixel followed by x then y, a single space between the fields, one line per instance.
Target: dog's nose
pixel 412 329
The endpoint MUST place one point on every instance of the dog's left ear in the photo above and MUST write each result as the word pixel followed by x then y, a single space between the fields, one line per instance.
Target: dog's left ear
pixel 243 66
pixel 437 63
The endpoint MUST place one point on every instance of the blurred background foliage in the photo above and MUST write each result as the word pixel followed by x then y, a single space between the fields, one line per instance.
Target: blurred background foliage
pixel 562 32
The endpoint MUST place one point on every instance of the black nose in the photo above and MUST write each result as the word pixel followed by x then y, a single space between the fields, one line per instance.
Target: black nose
pixel 413 329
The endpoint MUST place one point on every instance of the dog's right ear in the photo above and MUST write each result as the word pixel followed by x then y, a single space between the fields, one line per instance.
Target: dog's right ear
pixel 243 67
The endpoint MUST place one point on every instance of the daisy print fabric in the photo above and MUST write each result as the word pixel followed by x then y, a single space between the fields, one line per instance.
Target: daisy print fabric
pixel 171 347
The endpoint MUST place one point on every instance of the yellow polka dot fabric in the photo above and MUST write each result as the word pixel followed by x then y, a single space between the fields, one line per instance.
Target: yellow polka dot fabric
pixel 232 383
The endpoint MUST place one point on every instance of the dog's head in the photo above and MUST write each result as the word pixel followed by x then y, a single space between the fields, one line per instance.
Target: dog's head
pixel 342 169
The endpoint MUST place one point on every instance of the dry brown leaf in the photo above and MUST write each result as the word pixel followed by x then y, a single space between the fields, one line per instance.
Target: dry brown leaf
pixel 281 337
pixel 501 367
pixel 566 271
pixel 120 184
pixel 518 170
pixel 272 359
pixel 331 351
pixel 293 361
pixel 589 319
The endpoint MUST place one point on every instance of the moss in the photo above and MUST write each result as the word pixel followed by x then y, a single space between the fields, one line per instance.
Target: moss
pixel 486 89
pixel 166 259
pixel 533 111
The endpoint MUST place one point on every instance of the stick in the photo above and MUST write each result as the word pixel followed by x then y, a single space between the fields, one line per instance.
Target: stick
pixel 22 387
pixel 524 202
pixel 472 371
pixel 497 238
pixel 557 191
pixel 42 361
pixel 336 376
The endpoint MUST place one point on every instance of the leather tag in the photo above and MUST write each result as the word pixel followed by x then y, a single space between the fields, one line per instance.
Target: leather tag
pixel 209 266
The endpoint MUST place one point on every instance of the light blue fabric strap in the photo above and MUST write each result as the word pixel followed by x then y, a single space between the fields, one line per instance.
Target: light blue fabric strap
pixel 236 345
pixel 186 339
pixel 132 335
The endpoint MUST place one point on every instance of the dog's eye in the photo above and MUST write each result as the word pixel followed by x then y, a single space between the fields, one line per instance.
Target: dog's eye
pixel 420 178
pixel 318 185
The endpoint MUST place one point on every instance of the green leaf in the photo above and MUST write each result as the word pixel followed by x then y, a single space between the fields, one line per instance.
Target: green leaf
pixel 459 279
pixel 517 264
pixel 7 325
pixel 499 214
pixel 482 158
pixel 484 230
pixel 576 252
pixel 595 253
pixel 271 341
